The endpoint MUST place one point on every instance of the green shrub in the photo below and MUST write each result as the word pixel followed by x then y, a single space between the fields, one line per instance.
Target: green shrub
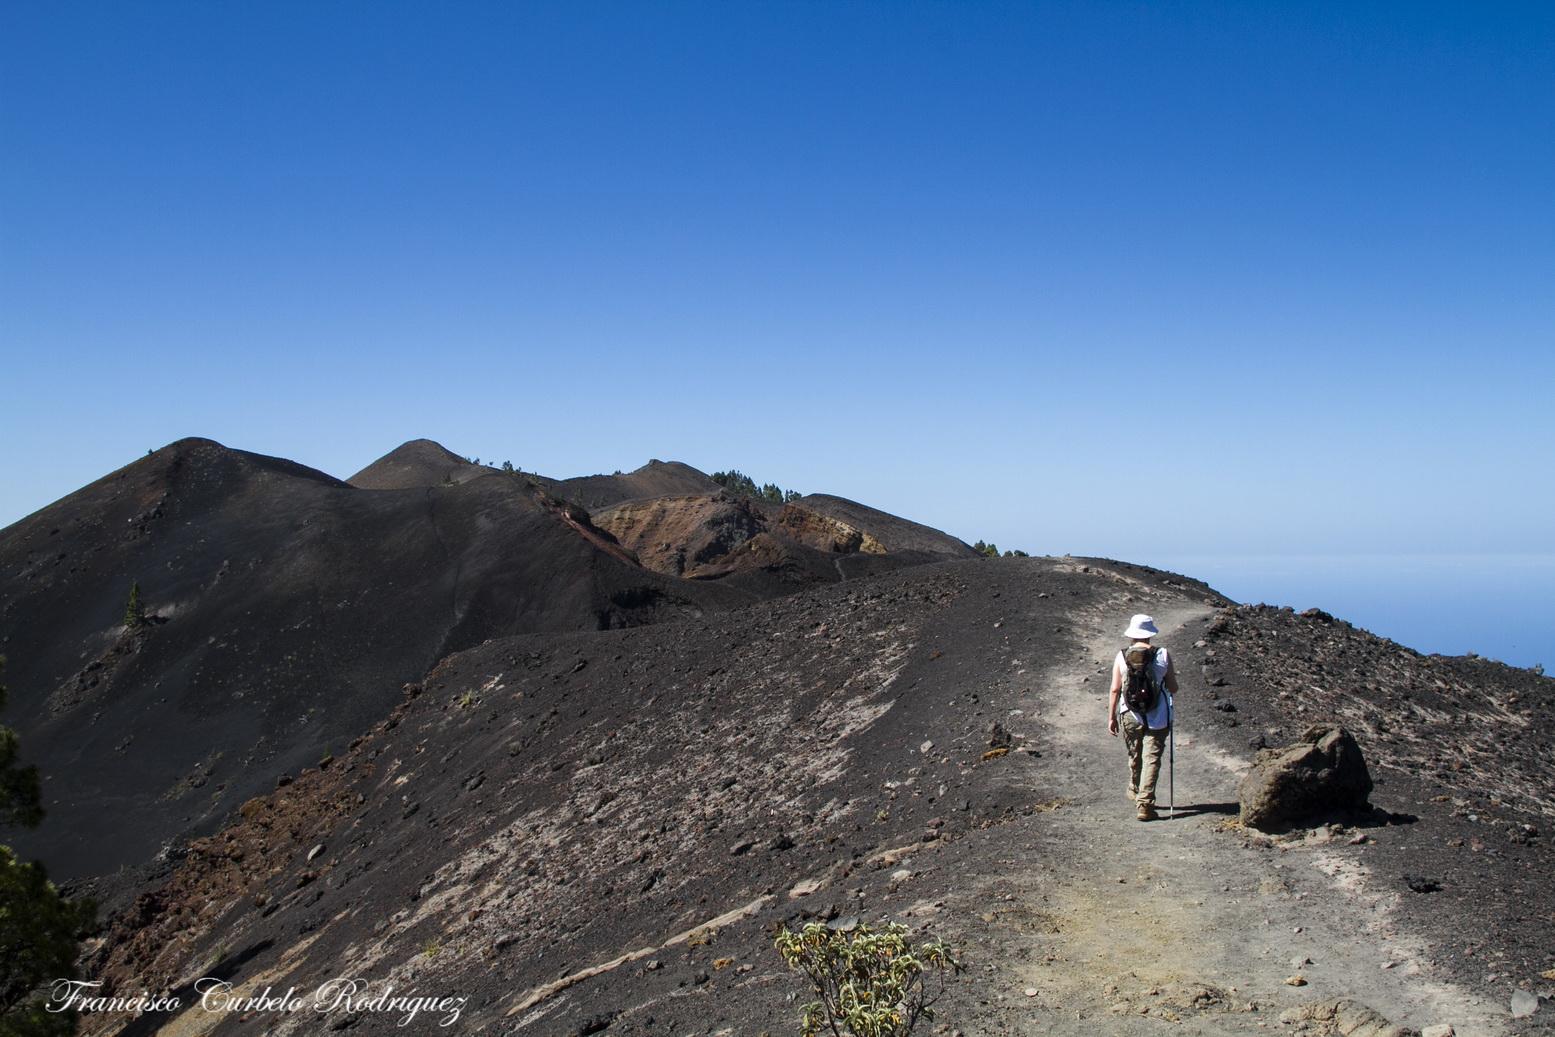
pixel 870 983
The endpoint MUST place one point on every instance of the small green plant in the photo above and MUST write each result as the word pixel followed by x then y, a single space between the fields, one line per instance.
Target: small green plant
pixel 431 948
pixel 870 982
pixel 134 611
pixel 218 955
pixel 467 700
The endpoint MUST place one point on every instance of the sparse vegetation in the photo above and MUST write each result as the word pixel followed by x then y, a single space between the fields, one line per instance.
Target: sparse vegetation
pixel 869 982
pixel 40 930
pixel 742 485
pixel 134 610
pixel 992 551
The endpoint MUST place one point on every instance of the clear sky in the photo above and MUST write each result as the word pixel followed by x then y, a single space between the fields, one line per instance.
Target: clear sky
pixel 1108 278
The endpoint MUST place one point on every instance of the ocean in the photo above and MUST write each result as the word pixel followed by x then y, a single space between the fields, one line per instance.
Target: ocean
pixel 1500 606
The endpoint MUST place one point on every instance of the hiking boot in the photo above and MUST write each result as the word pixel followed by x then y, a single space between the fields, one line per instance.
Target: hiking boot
pixel 1146 812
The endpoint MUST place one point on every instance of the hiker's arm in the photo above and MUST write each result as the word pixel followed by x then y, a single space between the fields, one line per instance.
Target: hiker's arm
pixel 1171 675
pixel 1112 699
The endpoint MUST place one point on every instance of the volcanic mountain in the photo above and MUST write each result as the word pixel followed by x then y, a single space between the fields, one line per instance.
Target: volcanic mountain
pixel 654 479
pixel 282 609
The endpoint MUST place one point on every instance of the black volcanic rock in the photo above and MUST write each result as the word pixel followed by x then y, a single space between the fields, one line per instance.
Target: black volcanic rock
pixel 1322 775
pixel 286 608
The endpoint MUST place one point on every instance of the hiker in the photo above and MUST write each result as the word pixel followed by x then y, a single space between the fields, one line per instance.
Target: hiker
pixel 1143 681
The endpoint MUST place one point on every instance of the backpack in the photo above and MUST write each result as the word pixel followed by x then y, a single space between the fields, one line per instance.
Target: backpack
pixel 1141 688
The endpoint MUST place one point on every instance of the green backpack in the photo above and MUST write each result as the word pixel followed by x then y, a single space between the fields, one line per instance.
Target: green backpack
pixel 1141 689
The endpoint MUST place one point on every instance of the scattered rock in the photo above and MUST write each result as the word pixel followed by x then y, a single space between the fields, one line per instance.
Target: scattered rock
pixel 594 1024
pixel 315 851
pixel 1347 1017
pixel 1295 981
pixel 1322 773
pixel 804 888
pixel 1439 1030
pixel 1524 1004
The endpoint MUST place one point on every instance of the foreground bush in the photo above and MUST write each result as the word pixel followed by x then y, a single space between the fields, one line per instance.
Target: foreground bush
pixel 870 982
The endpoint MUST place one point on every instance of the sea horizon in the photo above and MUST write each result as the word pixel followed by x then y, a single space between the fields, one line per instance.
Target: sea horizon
pixel 1485 603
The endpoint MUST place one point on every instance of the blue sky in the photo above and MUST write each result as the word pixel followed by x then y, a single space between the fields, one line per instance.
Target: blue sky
pixel 973 263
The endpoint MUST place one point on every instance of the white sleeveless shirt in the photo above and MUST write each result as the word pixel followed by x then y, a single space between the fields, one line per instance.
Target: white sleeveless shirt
pixel 1161 714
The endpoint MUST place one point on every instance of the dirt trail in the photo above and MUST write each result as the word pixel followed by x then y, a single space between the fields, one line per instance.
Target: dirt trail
pixel 1181 925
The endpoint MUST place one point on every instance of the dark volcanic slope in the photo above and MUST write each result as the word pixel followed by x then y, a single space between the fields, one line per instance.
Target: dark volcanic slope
pixel 418 463
pixel 598 833
pixel 550 803
pixel 286 610
pixel 654 479
pixel 1463 743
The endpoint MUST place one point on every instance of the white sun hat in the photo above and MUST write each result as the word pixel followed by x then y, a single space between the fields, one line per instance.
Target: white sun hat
pixel 1142 627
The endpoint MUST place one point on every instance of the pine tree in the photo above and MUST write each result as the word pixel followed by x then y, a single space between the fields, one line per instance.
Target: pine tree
pixel 134 611
pixel 40 930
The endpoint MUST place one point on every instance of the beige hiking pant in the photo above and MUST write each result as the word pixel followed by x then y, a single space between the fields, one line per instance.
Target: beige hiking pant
pixel 1144 758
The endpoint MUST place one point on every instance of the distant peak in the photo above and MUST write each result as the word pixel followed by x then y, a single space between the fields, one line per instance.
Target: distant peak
pixel 416 462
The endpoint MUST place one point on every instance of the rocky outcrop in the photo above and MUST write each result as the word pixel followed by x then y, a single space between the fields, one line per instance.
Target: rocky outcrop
pixel 681 535
pixel 1341 1017
pixel 1323 774
pixel 826 533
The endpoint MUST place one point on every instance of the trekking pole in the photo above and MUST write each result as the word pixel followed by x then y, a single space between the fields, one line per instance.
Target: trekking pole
pixel 1171 758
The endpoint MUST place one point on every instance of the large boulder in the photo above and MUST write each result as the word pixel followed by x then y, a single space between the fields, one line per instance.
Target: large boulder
pixel 1322 774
